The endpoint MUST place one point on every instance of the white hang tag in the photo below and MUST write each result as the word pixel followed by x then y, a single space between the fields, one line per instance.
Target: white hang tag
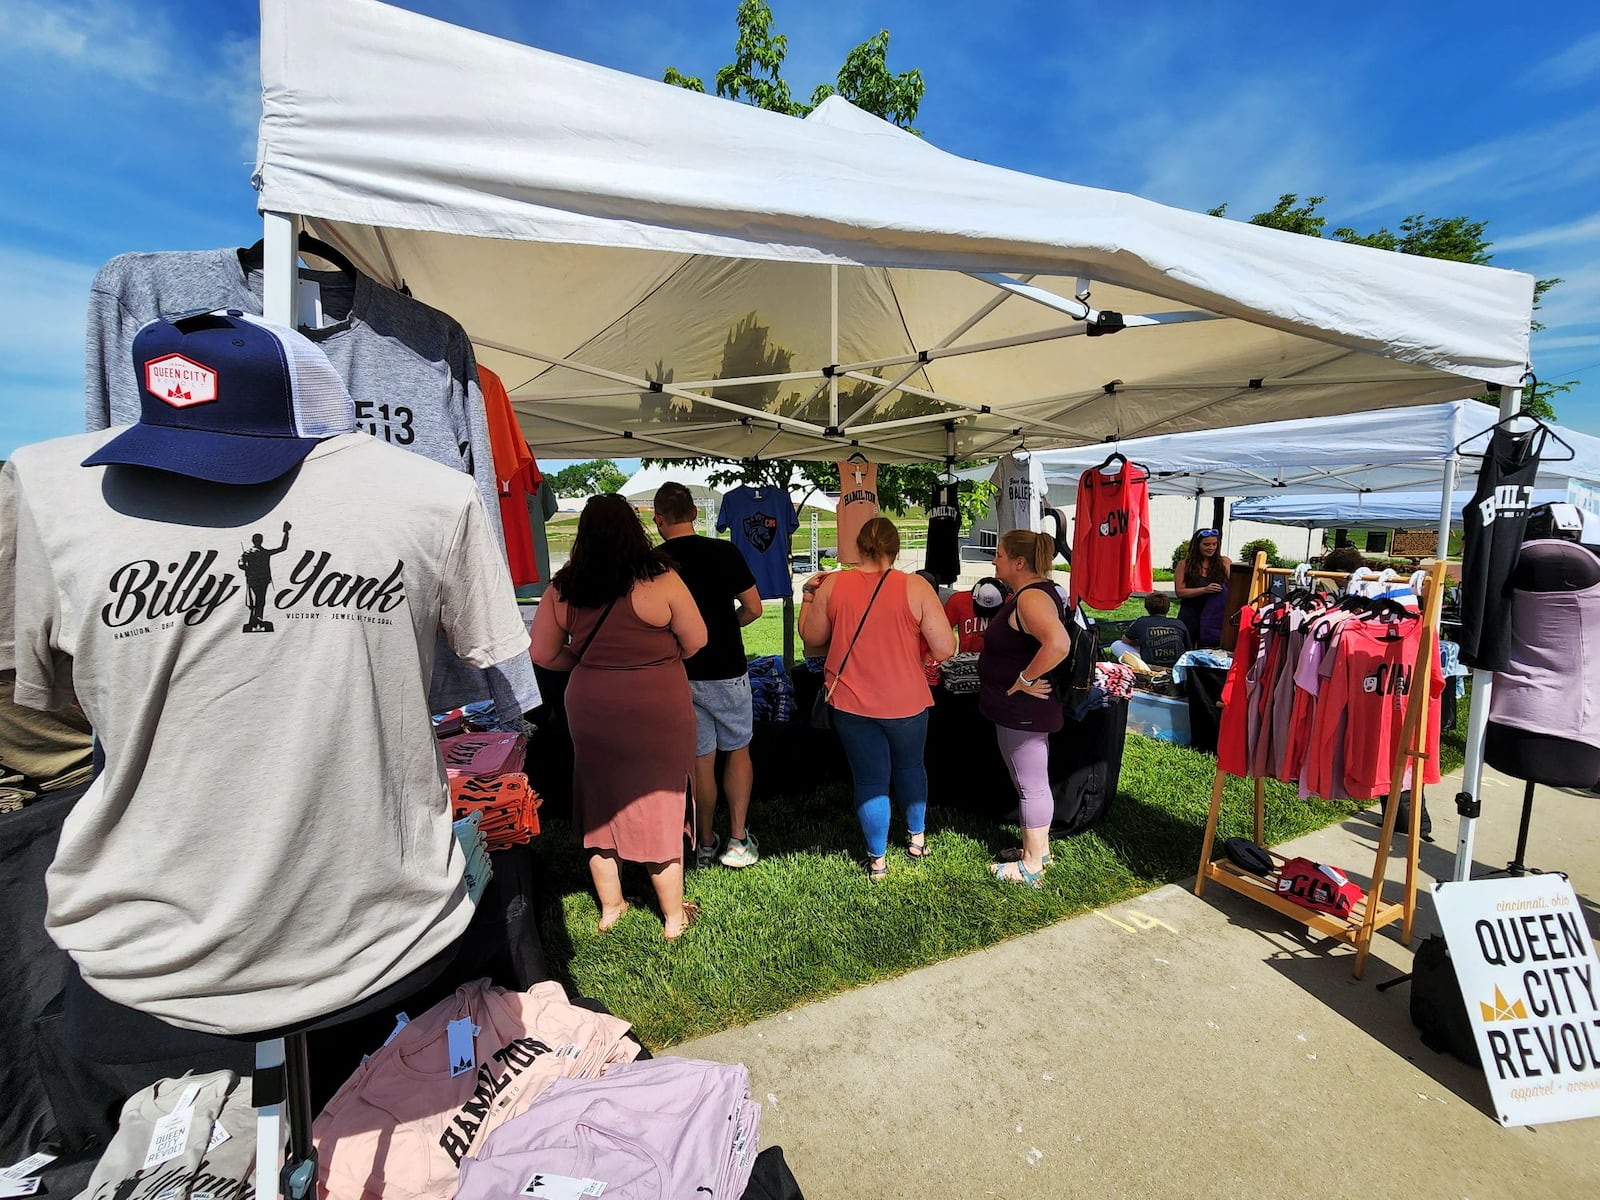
pixel 400 1022
pixel 458 1036
pixel 34 1162
pixel 19 1187
pixel 170 1137
pixel 308 304
pixel 218 1136
pixel 562 1187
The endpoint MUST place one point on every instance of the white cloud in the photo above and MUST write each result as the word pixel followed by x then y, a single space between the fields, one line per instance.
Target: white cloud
pixel 1576 64
pixel 1574 342
pixel 42 311
pixel 1573 231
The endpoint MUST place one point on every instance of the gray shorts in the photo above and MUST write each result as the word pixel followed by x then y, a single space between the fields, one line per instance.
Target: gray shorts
pixel 722 714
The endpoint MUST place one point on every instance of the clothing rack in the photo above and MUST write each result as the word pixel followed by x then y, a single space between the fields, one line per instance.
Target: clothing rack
pixel 1372 914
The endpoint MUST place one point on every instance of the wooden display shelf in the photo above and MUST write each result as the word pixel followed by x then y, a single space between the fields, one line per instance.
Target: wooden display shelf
pixel 1372 913
pixel 1263 890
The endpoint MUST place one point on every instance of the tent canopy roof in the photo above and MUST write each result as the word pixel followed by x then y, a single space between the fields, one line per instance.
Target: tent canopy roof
pixel 1400 449
pixel 1378 510
pixel 651 270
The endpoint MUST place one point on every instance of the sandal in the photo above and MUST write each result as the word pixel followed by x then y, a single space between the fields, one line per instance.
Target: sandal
pixel 876 873
pixel 1014 854
pixel 691 914
pixel 1016 871
pixel 917 851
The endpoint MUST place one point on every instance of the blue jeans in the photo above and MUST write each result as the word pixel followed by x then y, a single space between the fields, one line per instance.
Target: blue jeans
pixel 885 754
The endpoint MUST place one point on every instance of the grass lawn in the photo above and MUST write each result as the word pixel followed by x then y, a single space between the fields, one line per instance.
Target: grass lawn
pixel 805 922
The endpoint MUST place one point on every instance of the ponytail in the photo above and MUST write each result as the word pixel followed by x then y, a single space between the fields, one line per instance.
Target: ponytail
pixel 1038 548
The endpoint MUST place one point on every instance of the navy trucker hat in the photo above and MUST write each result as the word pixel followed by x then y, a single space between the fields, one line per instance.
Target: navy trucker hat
pixel 228 398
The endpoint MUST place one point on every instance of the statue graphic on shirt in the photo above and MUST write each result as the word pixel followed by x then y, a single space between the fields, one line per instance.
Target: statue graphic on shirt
pixel 256 563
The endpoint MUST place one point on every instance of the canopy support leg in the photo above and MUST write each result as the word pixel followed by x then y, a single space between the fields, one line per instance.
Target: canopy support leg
pixel 280 268
pixel 1468 801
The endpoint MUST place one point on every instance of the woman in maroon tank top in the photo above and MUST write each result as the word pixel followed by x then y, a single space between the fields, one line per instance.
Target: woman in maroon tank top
pixel 1025 639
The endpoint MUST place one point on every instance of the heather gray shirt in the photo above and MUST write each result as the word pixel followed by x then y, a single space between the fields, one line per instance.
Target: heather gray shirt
pixel 410 370
pixel 270 840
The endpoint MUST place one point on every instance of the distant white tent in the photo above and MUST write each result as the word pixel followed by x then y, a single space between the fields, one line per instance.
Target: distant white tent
pixel 641 486
pixel 1372 510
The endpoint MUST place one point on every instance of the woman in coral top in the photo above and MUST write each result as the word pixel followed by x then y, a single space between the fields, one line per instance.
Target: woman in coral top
pixel 875 624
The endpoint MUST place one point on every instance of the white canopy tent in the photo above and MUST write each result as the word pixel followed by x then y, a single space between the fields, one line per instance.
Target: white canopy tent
pixel 654 271
pixel 642 484
pixel 1367 510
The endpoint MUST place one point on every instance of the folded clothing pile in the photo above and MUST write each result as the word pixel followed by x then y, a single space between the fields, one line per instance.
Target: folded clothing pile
pixel 959 674
pixel 181 1138
pixel 401 1126
pixel 663 1128
pixel 483 755
pixel 479 869
pixel 771 691
pixel 507 807
pixel 479 717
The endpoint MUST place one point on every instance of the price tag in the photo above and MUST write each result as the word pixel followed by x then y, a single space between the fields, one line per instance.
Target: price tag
pixel 34 1162
pixel 218 1136
pixel 170 1137
pixel 400 1022
pixel 458 1036
pixel 19 1187
pixel 562 1187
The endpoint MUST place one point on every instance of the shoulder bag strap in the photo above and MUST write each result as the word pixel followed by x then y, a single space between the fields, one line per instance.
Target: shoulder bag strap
pixel 1049 587
pixel 584 649
pixel 857 634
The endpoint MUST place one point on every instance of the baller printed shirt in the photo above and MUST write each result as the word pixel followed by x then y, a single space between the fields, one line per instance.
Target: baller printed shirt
pixel 1020 498
pixel 409 368
pixel 858 504
pixel 205 629
pixel 401 1126
pixel 761 521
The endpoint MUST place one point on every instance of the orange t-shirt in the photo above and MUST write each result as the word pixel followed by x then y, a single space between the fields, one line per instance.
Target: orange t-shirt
pixel 884 677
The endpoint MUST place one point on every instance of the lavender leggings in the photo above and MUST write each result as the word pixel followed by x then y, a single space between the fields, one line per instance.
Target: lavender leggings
pixel 1027 756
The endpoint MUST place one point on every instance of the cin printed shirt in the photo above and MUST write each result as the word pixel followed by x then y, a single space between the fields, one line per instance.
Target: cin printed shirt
pixel 256 662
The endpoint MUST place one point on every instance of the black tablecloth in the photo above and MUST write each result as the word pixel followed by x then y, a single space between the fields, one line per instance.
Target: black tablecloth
pixel 1203 687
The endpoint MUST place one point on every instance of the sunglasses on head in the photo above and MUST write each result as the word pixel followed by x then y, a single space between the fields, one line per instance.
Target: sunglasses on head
pixel 1205 533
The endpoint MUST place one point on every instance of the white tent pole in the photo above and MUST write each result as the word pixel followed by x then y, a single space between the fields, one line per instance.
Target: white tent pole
pixel 833 345
pixel 1477 720
pixel 1199 498
pixel 279 268
pixel 1446 508
pixel 1309 532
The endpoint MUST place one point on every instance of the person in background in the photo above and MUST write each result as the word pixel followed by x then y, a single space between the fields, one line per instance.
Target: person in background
pixel 1026 638
pixel 726 594
pixel 1202 586
pixel 1155 637
pixel 879 695
pixel 969 612
pixel 622 621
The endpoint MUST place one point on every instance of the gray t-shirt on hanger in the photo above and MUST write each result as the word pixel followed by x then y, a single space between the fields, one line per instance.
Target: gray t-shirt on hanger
pixel 270 840
pixel 410 370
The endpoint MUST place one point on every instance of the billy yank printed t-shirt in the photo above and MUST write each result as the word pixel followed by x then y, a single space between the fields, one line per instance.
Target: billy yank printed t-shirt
pixel 271 838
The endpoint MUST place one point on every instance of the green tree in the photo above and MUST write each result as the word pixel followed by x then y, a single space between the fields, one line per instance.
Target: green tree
pixel 755 74
pixel 1453 238
pixel 588 478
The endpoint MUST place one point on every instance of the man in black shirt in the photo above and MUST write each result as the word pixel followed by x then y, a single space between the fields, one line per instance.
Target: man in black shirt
pixel 719 677
pixel 1157 638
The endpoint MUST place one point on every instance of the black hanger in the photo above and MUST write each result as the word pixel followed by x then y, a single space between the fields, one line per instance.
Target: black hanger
pixel 1547 433
pixel 1116 456
pixel 254 257
pixel 856 457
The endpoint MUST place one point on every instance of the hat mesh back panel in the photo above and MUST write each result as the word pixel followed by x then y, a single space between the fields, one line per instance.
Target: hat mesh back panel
pixel 321 405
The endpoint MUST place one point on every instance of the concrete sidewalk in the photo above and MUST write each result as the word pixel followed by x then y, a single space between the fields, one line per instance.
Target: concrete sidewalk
pixel 1170 1046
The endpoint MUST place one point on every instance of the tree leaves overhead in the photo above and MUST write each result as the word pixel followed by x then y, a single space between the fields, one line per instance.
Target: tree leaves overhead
pixel 755 76
pixel 1454 238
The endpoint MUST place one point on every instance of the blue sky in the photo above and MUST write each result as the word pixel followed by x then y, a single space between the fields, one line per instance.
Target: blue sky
pixel 130 125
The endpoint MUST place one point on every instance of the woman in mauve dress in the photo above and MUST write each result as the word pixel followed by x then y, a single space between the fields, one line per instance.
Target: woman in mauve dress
pixel 621 620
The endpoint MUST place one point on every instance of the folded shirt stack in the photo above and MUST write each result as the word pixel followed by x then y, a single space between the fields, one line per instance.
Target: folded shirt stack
pixel 400 1127
pixel 507 807
pixel 669 1127
pixel 188 1137
pixel 479 870
pixel 771 691
pixel 959 674
pixel 483 754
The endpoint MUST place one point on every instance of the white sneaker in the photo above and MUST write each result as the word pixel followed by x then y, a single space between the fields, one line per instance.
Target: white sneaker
pixel 740 853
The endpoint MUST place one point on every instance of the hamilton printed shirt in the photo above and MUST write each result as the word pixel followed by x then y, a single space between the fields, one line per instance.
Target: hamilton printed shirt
pixel 256 662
